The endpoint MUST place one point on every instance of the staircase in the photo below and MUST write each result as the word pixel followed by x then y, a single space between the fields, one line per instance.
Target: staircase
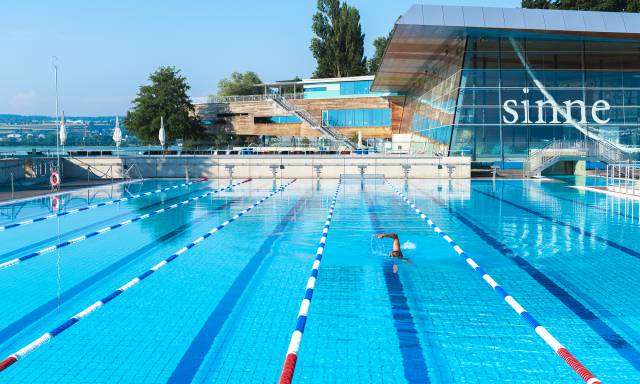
pixel 556 151
pixel 310 122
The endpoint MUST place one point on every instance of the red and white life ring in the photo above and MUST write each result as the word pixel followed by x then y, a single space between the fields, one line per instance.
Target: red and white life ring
pixel 54 179
pixel 55 203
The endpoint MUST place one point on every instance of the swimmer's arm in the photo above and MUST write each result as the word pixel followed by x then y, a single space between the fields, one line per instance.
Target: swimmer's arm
pixel 383 235
pixel 396 240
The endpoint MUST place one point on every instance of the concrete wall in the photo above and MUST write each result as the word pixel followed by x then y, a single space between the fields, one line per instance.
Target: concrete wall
pixel 11 166
pixel 35 170
pixel 261 166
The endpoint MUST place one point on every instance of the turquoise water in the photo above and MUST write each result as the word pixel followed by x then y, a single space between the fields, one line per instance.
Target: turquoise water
pixel 224 310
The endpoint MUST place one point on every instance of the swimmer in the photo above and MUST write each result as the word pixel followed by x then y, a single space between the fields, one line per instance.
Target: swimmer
pixel 396 251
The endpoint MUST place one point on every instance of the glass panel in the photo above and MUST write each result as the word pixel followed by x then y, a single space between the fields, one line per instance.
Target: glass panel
pixel 492 72
pixel 377 117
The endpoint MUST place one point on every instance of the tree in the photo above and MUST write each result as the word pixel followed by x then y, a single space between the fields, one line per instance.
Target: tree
pixel 380 44
pixel 165 97
pixel 239 84
pixel 339 43
pixel 585 5
pixel 536 4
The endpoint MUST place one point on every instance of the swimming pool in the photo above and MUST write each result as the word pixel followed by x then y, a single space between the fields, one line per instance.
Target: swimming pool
pixel 225 309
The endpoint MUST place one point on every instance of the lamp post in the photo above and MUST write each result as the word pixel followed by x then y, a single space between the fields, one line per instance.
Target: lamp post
pixel 55 73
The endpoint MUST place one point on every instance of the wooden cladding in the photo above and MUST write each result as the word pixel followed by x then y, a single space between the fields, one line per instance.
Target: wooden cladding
pixel 238 117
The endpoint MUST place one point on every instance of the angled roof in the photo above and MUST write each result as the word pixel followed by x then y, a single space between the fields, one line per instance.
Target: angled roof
pixel 540 20
pixel 428 40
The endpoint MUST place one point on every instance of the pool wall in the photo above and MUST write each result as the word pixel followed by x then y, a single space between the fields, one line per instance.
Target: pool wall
pixel 263 167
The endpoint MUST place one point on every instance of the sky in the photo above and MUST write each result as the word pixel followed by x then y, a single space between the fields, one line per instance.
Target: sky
pixel 106 49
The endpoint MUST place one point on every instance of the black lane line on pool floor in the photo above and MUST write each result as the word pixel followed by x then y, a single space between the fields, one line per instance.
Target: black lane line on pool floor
pixel 578 230
pixel 193 357
pixel 36 314
pixel 76 231
pixel 608 334
pixel 413 361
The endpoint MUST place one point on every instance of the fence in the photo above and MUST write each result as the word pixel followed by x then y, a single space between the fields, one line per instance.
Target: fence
pixel 624 178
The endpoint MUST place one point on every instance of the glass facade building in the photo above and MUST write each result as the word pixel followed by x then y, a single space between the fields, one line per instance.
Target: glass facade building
pixel 496 83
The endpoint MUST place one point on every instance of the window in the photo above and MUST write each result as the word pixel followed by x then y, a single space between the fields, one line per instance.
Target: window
pixel 316 89
pixel 275 119
pixel 355 87
pixel 373 117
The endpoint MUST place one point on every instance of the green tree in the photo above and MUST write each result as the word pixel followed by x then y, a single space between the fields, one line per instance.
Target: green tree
pixel 165 97
pixel 380 44
pixel 585 5
pixel 338 46
pixel 239 84
pixel 537 4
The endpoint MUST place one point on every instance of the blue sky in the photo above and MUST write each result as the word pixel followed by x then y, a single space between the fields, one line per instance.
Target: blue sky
pixel 106 49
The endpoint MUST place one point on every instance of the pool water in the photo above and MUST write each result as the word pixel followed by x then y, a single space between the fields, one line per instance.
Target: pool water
pixel 224 311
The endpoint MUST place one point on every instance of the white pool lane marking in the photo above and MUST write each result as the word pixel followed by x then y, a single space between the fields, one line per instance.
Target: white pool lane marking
pixel 580 369
pixel 18 260
pixel 35 344
pixel 289 365
pixel 93 206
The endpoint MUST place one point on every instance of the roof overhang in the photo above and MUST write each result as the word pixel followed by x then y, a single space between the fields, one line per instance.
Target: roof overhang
pixel 429 35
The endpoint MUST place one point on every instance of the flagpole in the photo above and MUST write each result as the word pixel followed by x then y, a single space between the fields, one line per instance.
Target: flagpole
pixel 62 140
pixel 55 72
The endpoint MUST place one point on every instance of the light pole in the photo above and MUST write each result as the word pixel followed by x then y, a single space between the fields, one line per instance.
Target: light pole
pixel 55 73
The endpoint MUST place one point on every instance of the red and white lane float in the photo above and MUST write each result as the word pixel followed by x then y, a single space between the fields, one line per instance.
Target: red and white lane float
pixel 31 221
pixel 289 366
pixel 37 343
pixel 101 231
pixel 580 369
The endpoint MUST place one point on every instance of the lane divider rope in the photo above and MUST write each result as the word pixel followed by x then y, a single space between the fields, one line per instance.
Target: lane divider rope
pixel 93 206
pixel 35 344
pixel 18 260
pixel 577 367
pixel 294 345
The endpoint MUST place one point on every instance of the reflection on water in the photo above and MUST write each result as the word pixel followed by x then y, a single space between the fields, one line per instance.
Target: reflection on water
pixel 41 206
pixel 158 227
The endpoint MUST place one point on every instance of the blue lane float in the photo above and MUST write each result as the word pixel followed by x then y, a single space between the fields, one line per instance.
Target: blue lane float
pixel 98 205
pixel 101 231
pixel 37 343
pixel 541 331
pixel 294 345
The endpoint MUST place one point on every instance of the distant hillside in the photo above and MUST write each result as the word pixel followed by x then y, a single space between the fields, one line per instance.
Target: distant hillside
pixel 34 119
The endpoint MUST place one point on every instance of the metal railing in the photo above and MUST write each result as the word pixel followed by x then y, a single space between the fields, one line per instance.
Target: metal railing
pixel 541 158
pixel 624 178
pixel 244 98
pixel 607 152
pixel 312 122
pixel 128 170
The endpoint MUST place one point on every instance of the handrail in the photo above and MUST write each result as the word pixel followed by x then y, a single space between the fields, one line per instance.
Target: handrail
pixel 243 98
pixel 127 172
pixel 624 178
pixel 540 158
pixel 311 121
pixel 606 152
pixel 105 174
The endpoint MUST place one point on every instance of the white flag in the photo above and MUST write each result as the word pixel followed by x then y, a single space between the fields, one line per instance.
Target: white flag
pixel 63 131
pixel 162 136
pixel 117 133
